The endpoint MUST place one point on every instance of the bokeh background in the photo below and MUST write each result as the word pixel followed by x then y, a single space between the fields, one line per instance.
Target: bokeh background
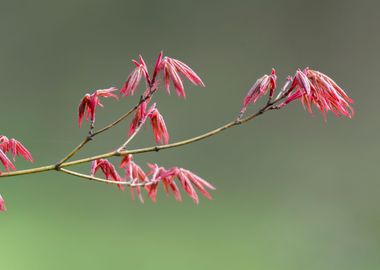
pixel 293 192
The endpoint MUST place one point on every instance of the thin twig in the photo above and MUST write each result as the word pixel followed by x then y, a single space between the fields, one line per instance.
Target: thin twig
pixel 126 114
pixel 29 171
pixel 97 179
pixel 94 133
pixel 147 149
pixel 129 139
pixel 142 122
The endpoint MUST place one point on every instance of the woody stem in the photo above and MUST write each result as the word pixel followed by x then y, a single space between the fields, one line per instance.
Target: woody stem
pixel 122 147
pixel 109 126
pixel 267 107
pixel 101 180
pixel 140 124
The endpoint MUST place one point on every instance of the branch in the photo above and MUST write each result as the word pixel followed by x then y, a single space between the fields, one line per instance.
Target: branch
pixel 308 86
pixel 97 179
pixel 124 145
pixel 194 139
pixel 114 123
pixel 157 148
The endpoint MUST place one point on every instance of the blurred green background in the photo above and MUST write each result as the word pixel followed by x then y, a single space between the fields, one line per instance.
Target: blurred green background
pixel 293 192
